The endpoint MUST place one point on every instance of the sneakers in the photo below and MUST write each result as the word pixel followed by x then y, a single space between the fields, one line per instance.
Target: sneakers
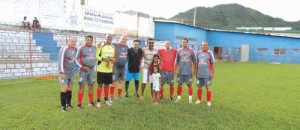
pixel 107 103
pixel 99 104
pixel 171 98
pixel 190 100
pixel 111 100
pixel 209 104
pixel 126 95
pixel 198 102
pixel 91 104
pixel 177 99
pixel 80 106
pixel 63 109
pixel 136 95
pixel 120 99
pixel 69 105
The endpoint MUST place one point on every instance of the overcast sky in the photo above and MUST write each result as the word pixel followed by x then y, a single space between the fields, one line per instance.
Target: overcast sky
pixel 286 9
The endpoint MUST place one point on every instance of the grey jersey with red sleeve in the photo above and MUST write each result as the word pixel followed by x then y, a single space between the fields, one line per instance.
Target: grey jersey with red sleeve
pixel 205 59
pixel 86 56
pixel 121 55
pixel 66 60
pixel 185 60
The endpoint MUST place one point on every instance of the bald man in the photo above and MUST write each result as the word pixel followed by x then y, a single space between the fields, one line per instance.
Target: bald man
pixel 105 54
pixel 167 56
pixel 121 51
pixel 66 61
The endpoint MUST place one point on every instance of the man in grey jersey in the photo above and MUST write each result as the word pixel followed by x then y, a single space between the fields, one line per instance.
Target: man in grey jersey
pixel 185 61
pixel 66 58
pixel 121 51
pixel 86 60
pixel 205 72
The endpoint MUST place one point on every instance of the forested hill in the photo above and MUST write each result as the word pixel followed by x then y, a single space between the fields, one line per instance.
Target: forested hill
pixel 230 16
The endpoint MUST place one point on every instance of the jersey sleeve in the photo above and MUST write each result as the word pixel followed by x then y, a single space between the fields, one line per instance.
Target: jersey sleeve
pixel 212 57
pixel 78 57
pixel 98 57
pixel 61 56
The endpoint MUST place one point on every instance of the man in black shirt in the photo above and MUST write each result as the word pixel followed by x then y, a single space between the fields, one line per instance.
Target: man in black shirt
pixel 134 62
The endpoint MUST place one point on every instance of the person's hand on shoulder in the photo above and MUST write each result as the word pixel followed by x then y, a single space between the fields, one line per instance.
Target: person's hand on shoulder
pixel 99 44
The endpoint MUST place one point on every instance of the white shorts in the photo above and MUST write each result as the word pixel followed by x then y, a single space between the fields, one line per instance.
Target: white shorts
pixel 156 88
pixel 145 76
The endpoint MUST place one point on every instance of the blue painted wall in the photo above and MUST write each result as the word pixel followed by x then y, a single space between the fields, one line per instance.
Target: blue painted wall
pixel 174 32
pixel 46 40
pixel 230 42
pixel 234 40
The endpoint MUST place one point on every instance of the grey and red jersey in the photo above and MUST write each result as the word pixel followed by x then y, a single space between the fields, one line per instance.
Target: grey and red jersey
pixel 121 52
pixel 205 59
pixel 66 60
pixel 185 60
pixel 86 56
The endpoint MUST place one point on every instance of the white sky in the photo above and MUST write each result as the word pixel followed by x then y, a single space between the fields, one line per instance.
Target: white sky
pixel 286 9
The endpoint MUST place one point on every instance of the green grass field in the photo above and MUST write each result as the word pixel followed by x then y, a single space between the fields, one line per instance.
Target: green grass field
pixel 245 96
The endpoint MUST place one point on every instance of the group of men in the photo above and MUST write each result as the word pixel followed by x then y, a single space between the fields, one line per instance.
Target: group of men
pixel 111 69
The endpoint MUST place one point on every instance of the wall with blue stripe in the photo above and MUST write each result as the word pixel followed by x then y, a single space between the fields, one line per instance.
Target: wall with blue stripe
pixel 46 40
pixel 230 42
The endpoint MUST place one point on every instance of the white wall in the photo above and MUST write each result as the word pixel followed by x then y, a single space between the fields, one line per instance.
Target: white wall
pixel 58 14
pixel 50 13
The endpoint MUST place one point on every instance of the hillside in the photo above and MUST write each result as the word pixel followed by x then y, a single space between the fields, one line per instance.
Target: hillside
pixel 230 16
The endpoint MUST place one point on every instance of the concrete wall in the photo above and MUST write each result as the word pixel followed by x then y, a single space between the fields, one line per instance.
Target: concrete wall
pixel 235 40
pixel 17 70
pixel 229 43
pixel 51 13
pixel 174 32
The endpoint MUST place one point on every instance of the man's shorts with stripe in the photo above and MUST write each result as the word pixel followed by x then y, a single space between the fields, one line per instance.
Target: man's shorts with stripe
pixel 86 77
pixel 188 79
pixel 68 80
pixel 167 77
pixel 204 82
pixel 118 74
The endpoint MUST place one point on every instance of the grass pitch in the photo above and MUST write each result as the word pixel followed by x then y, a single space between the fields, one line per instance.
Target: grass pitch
pixel 245 96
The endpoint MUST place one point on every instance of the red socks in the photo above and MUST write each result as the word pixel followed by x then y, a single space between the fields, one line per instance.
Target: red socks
pixel 171 91
pixel 208 96
pixel 91 97
pixel 106 89
pixel 99 93
pixel 190 91
pixel 112 90
pixel 162 92
pixel 80 96
pixel 179 90
pixel 200 94
pixel 119 92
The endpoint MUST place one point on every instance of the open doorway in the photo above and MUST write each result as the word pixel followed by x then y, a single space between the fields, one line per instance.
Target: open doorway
pixel 218 52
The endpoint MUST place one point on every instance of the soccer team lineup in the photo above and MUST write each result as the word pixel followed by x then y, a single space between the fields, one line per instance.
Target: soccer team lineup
pixel 109 66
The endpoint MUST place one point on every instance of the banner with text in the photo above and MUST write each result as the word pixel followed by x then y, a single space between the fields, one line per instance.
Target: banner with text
pixel 98 21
